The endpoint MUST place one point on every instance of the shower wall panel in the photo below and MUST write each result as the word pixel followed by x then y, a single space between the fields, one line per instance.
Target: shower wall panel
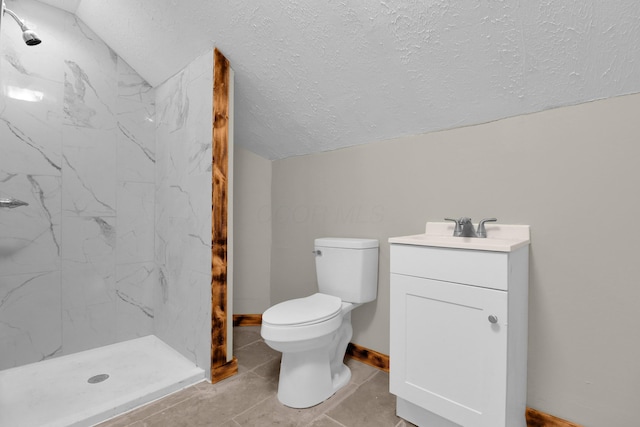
pixel 77 142
pixel 184 106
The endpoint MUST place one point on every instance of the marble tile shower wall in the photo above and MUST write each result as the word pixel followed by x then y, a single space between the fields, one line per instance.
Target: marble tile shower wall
pixel 77 142
pixel 184 107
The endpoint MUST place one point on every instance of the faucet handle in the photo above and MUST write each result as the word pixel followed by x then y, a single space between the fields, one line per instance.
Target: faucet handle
pixel 458 230
pixel 482 232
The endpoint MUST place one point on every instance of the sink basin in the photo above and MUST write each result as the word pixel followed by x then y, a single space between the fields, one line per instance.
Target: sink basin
pixel 500 237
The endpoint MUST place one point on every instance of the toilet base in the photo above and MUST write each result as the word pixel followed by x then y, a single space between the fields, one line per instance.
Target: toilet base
pixel 342 378
pixel 305 379
pixel 312 370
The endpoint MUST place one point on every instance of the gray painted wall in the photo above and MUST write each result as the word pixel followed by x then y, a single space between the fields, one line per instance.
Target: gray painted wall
pixel 252 232
pixel 571 173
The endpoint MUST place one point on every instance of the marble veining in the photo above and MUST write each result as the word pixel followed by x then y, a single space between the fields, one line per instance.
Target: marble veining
pixel 90 239
pixel 85 32
pixel 106 230
pixel 38 190
pixel 14 60
pixel 115 241
pixel 7 296
pixel 173 107
pixel 135 220
pixel 77 137
pixel 27 336
pixel 148 311
pixel 78 112
pixel 133 87
pixel 131 137
pixel 164 287
pixel 91 195
pixel 21 136
pixel 136 149
pixel 31 234
pixel 183 209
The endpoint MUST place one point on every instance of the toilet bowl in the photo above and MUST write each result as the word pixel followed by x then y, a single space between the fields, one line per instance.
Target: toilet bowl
pixel 313 332
pixel 313 344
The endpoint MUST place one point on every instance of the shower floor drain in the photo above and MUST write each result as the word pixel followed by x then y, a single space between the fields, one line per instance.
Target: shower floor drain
pixel 97 378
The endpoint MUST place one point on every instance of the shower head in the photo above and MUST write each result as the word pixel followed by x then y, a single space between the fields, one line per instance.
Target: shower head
pixel 28 35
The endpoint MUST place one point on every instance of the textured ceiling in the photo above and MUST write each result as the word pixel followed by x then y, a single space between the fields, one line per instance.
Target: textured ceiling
pixel 319 75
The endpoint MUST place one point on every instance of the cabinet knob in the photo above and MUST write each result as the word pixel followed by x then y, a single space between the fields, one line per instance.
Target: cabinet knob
pixel 493 319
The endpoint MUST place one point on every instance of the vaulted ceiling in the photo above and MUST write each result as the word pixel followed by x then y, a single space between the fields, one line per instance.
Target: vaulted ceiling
pixel 319 75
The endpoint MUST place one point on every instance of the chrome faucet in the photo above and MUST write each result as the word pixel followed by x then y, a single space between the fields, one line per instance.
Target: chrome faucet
pixel 464 227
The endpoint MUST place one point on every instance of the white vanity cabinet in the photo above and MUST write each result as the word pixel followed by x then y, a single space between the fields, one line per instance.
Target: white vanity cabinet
pixel 458 354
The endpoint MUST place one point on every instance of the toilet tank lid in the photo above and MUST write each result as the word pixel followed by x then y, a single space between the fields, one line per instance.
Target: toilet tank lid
pixel 345 242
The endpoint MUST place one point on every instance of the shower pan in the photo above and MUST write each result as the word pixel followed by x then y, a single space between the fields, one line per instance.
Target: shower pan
pixel 65 392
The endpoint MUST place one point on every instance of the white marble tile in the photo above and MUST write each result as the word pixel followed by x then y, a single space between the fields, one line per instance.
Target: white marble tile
pixel 176 152
pixel 30 326
pixel 198 143
pixel 84 105
pixel 88 327
pixel 136 153
pixel 30 134
pixel 31 235
pixel 181 194
pixel 89 240
pixel 90 78
pixel 184 122
pixel 135 219
pixel 89 172
pixel 176 200
pixel 135 288
pixel 183 210
pixel 132 86
pixel 85 284
pixel 188 331
pixel 161 240
pixel 184 241
pixel 88 262
pixel 200 189
pixel 202 67
pixel 172 103
pixel 185 250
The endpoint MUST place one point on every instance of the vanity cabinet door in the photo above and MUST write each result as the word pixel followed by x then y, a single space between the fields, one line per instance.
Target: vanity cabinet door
pixel 449 349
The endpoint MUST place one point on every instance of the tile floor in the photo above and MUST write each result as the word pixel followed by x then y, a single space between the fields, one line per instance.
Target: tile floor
pixel 249 398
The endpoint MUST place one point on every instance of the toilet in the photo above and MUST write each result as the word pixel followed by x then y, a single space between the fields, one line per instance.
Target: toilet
pixel 313 332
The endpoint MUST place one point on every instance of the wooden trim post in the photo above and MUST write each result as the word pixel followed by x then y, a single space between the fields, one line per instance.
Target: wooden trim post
pixel 221 366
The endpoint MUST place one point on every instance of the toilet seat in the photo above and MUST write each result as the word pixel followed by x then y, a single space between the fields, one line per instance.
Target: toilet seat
pixel 316 308
pixel 303 319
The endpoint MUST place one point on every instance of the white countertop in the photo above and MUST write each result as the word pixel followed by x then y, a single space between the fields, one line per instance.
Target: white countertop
pixel 500 237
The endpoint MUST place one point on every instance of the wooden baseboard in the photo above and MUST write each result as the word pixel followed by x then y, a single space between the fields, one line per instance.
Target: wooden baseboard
pixel 536 418
pixel 368 357
pixel 247 319
pixel 220 373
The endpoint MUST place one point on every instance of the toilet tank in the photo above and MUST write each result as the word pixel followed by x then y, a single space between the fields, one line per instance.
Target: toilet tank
pixel 347 268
